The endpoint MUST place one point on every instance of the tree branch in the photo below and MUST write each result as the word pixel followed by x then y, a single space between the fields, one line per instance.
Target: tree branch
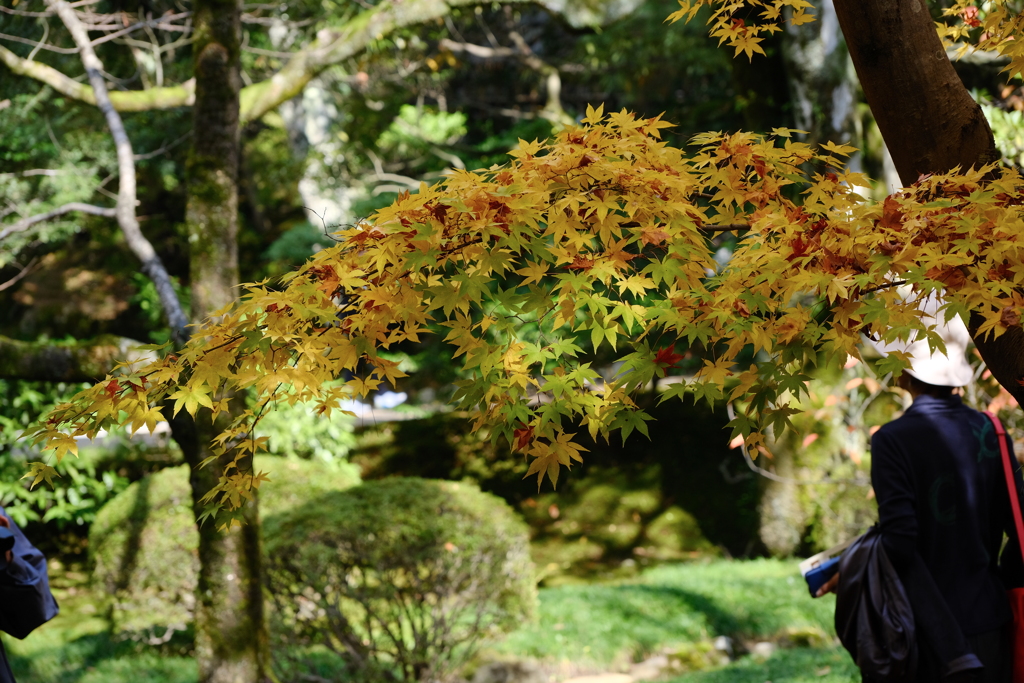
pixel 151 23
pixel 17 278
pixel 335 45
pixel 329 48
pixel 123 100
pixel 126 219
pixel 26 223
pixel 63 362
pixel 39 44
pixel 481 51
pixel 23 13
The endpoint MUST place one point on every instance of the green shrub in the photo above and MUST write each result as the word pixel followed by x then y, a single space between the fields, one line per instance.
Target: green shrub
pixel 598 524
pixel 144 542
pixel 71 502
pixel 398 577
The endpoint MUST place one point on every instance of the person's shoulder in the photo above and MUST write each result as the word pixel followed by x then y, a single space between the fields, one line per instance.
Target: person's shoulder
pixel 907 422
pixel 968 414
pixel 907 428
pixel 888 437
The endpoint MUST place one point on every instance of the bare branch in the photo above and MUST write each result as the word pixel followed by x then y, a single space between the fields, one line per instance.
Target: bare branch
pixel 481 51
pixel 531 59
pixel 165 148
pixel 151 23
pixel 380 174
pixel 329 48
pixel 154 45
pixel 268 53
pixel 37 44
pixel 126 219
pixel 23 13
pixel 553 110
pixel 34 171
pixel 17 278
pixel 42 41
pixel 26 223
pixel 158 60
pixel 273 21
pixel 63 362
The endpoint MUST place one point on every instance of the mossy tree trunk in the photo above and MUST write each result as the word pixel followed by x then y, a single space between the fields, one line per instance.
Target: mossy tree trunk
pixel 230 632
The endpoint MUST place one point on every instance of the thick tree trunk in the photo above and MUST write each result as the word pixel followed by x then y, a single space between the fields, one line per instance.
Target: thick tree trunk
pixel 230 633
pixel 928 119
pixel 212 211
pixel 231 643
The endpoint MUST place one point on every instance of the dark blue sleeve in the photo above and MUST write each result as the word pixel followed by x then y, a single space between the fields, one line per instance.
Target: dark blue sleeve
pixel 25 598
pixel 894 490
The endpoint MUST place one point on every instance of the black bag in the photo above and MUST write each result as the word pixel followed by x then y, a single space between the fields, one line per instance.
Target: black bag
pixel 874 619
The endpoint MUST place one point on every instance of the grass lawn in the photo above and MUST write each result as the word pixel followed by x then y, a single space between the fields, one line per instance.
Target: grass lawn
pixel 798 665
pixel 594 627
pixel 76 647
pixel 671 605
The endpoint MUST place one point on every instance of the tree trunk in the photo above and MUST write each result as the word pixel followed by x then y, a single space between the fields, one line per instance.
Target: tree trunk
pixel 231 642
pixel 928 120
pixel 230 632
pixel 783 519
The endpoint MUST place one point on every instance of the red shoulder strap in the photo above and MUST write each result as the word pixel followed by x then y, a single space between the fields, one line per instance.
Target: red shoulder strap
pixel 1008 472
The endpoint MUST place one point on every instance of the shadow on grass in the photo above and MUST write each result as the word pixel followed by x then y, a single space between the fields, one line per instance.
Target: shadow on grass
pixel 604 623
pixel 96 658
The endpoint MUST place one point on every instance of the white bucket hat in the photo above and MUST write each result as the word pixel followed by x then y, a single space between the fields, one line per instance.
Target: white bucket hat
pixel 945 370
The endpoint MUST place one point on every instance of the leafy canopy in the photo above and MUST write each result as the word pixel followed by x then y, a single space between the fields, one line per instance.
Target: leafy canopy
pixel 598 240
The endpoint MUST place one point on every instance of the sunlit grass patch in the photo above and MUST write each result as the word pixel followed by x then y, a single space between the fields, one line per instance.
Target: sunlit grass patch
pixel 799 665
pixel 671 605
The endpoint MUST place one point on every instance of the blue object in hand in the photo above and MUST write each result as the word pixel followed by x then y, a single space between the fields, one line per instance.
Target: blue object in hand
pixel 817 577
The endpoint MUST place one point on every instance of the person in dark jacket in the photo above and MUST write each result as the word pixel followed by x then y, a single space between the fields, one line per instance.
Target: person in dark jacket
pixel 25 597
pixel 943 509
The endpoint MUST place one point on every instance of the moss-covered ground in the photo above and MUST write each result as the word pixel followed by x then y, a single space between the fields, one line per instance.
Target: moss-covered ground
pixel 584 628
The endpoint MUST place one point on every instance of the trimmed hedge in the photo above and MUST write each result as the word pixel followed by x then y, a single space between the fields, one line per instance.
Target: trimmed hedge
pixel 397 578
pixel 144 542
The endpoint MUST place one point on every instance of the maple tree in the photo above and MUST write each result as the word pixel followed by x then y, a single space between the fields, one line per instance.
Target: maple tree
pixel 599 237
